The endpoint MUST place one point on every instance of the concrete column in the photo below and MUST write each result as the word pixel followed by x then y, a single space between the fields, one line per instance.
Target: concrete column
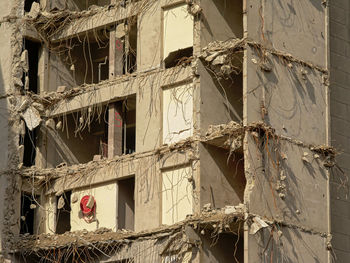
pixel 115 129
pixel 116 52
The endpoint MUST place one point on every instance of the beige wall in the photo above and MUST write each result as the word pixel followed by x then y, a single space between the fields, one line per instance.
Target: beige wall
pixel 177 29
pixel 106 205
pixel 176 195
pixel 177 106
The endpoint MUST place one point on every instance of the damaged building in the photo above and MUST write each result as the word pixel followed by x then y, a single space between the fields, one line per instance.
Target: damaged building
pixel 174 131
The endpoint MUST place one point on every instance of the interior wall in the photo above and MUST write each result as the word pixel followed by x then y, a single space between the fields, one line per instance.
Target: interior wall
pixel 106 207
pixel 177 195
pixel 221 20
pixel 222 179
pixel 58 73
pixel 221 101
pixel 177 107
pixel 177 29
pixel 227 249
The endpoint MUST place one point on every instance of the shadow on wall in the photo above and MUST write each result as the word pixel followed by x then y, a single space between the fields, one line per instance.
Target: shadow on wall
pixel 221 20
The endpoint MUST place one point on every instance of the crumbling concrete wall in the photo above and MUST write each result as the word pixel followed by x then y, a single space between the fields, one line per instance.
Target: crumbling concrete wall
pixel 286 182
pixel 339 13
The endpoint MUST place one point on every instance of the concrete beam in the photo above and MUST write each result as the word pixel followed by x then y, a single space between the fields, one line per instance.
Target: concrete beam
pixel 111 91
pixel 103 18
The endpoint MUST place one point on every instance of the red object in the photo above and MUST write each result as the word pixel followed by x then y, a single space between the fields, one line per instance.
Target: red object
pixel 83 205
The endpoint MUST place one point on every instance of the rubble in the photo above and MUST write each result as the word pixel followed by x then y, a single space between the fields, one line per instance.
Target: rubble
pixel 32 118
pixel 257 224
pixel 224 57
pixel 106 236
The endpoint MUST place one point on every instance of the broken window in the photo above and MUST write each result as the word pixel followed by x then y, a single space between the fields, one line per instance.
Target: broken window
pixel 28 4
pixel 126 203
pixel 177 113
pixel 177 186
pixel 63 213
pixel 177 35
pixel 28 205
pixel 33 60
pixel 122 127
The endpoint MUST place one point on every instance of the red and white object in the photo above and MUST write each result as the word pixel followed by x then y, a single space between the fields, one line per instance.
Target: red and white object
pixel 88 208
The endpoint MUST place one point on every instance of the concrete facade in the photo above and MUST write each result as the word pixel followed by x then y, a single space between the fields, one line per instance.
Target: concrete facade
pixel 174 131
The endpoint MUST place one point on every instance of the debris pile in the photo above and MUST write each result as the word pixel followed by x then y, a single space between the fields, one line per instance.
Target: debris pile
pixel 224 57
pixel 103 235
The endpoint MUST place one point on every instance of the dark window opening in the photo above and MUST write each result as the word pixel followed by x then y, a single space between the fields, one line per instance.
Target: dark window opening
pixel 63 213
pixel 129 127
pixel 28 205
pixel 33 59
pixel 178 57
pixel 29 144
pixel 126 203
pixel 28 4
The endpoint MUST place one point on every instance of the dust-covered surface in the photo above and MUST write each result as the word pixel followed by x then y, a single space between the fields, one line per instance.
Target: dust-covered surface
pixel 212 219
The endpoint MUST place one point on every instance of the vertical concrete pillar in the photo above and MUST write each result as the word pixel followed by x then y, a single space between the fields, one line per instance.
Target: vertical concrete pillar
pixel 115 130
pixel 116 53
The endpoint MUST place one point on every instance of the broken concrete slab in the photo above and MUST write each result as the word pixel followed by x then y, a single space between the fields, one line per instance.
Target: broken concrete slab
pixel 61 89
pixel 257 224
pixel 34 10
pixel 31 117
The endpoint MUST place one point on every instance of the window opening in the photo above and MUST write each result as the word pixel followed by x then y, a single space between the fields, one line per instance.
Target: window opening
pixel 28 205
pixel 63 213
pixel 126 203
pixel 28 4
